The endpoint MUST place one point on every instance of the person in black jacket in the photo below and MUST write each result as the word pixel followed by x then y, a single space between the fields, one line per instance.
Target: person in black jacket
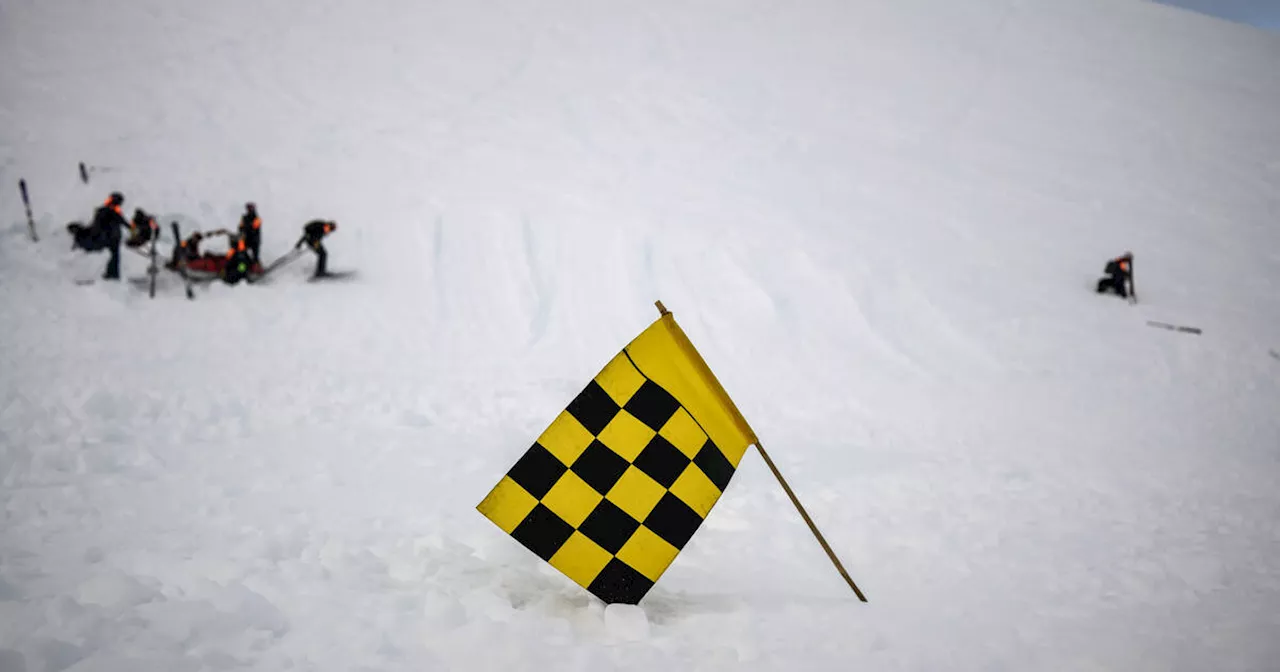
pixel 186 251
pixel 141 229
pixel 312 234
pixel 251 230
pixel 239 263
pixel 107 225
pixel 1119 276
pixel 190 248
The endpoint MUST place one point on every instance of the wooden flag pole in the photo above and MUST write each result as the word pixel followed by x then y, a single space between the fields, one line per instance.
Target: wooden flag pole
pixel 1133 286
pixel 809 521
pixel 803 514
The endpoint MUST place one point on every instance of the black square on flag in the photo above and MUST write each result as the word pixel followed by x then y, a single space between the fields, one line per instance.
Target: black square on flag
pixel 537 470
pixel 652 405
pixel 599 467
pixel 662 461
pixel 673 520
pixel 618 583
pixel 609 526
pixel 714 464
pixel 593 408
pixel 542 532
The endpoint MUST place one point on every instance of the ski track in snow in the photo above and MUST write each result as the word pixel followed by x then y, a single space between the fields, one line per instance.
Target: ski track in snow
pixel 879 222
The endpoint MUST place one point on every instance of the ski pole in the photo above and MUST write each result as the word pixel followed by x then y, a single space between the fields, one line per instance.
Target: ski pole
pixel 85 170
pixel 1174 327
pixel 26 202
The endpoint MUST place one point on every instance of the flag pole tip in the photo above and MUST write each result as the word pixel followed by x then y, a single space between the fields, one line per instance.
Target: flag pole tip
pixel 662 310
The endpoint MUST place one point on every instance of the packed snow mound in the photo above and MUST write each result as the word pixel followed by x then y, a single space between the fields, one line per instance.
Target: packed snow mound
pixel 880 222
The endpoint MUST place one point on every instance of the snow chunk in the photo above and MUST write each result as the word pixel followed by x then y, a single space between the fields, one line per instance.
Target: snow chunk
pixel 626 622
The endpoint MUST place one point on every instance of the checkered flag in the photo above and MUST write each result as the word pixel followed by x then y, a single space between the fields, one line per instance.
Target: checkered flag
pixel 623 477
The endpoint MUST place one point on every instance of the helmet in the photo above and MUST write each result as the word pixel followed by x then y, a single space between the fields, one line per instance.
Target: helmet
pixel 116 198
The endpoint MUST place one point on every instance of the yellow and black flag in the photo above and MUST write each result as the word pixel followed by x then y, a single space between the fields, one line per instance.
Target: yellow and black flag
pixel 622 478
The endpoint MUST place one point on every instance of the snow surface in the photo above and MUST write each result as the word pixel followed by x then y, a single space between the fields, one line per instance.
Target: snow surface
pixel 879 220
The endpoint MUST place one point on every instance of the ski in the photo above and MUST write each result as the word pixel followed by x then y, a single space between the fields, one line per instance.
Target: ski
pixel 332 275
pixel 153 270
pixel 1174 327
pixel 179 263
pixel 85 170
pixel 283 260
pixel 26 202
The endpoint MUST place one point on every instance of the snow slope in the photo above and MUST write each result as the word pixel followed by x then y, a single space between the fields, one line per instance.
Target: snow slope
pixel 879 221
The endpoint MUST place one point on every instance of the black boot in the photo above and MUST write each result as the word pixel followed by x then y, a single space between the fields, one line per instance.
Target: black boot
pixel 113 264
pixel 320 262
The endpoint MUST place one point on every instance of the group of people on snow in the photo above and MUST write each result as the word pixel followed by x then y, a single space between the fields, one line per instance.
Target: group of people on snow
pixel 243 256
pixel 241 260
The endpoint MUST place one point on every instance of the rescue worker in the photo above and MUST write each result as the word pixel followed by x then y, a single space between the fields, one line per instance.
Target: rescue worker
pixel 312 234
pixel 251 230
pixel 1119 276
pixel 239 263
pixel 141 229
pixel 106 226
pixel 187 251
pixel 191 246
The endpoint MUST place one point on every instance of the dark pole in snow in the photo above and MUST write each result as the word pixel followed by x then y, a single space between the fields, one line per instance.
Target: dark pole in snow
pixel 803 514
pixel 1174 327
pixel 1133 285
pixel 26 202
pixel 808 521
